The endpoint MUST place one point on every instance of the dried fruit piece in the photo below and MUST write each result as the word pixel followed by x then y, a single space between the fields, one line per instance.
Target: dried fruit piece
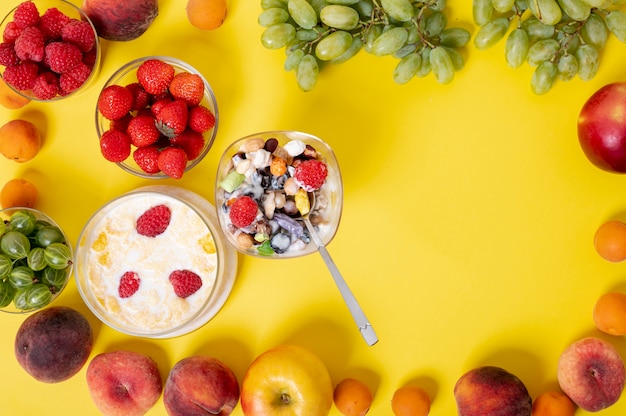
pixel 154 221
pixel 185 282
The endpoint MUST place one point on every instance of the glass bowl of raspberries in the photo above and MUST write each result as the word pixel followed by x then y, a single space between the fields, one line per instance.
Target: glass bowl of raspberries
pixel 266 183
pixel 156 117
pixel 50 50
pixel 36 260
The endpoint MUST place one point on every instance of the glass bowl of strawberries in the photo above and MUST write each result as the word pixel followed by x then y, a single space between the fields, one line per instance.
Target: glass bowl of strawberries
pixel 156 117
pixel 50 50
pixel 267 182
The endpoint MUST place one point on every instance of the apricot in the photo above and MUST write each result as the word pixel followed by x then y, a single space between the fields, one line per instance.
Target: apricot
pixel 206 14
pixel 609 313
pixel 410 400
pixel 18 193
pixel 610 241
pixel 10 99
pixel 20 140
pixel 352 397
pixel 553 403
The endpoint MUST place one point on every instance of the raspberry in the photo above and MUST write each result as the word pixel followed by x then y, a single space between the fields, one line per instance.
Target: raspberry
pixel 26 14
pixel 172 161
pixel 155 75
pixel 201 119
pixel 46 86
pixel 154 221
pixel 243 211
pixel 310 174
pixel 7 54
pixel 62 57
pixel 142 131
pixel 115 145
pixel 115 102
pixel 80 34
pixel 185 282
pixel 11 32
pixel 141 98
pixel 21 76
pixel 129 284
pixel 73 79
pixel 147 159
pixel 52 23
pixel 30 45
pixel 191 142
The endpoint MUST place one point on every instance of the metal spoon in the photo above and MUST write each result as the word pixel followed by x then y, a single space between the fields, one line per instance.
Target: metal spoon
pixel 367 331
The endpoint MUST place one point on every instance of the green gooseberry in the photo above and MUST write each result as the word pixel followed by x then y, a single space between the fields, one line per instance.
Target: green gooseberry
pixel 21 277
pixel 7 292
pixel 38 296
pixel 22 221
pixel 58 255
pixel 15 245
pixel 48 235
pixel 20 300
pixel 6 265
pixel 36 260
pixel 54 277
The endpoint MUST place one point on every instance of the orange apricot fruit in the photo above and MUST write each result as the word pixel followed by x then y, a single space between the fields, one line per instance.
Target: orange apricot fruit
pixel 410 400
pixel 206 14
pixel 610 241
pixel 20 140
pixel 553 403
pixel 18 193
pixel 10 99
pixel 609 313
pixel 352 397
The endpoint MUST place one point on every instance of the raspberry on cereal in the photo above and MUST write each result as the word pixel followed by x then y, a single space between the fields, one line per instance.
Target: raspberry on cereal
pixel 243 211
pixel 311 174
pixel 185 282
pixel 129 284
pixel 154 221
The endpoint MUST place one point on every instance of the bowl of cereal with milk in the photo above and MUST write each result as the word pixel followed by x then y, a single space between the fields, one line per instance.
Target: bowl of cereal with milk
pixel 267 182
pixel 152 263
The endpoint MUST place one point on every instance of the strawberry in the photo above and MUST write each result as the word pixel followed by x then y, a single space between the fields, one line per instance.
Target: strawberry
pixel 191 142
pixel 52 22
pixel 26 14
pixel 142 130
pixel 243 211
pixel 46 86
pixel 147 158
pixel 129 284
pixel 30 45
pixel 61 56
pixel 172 118
pixel 187 87
pixel 155 75
pixel 201 119
pixel 154 221
pixel 185 282
pixel 121 124
pixel 141 97
pixel 172 161
pixel 21 76
pixel 115 145
pixel 115 102
pixel 80 34
pixel 158 105
pixel 311 174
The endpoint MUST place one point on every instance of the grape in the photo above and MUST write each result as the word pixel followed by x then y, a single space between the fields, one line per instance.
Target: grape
pixel 616 24
pixel 588 60
pixel 293 59
pixel 437 5
pixel 269 4
pixel 307 35
pixel 307 72
pixel 441 65
pixel 333 45
pixel 364 8
pixel 502 6
pixel 491 33
pixel 36 260
pixel 273 16
pixel 21 277
pixel 567 67
pixel 537 30
pixel 576 9
pixel 542 50
pixel 22 221
pixel 371 35
pixel 454 37
pixel 15 245
pixel 516 48
pixel 48 235
pixel 406 68
pixel 340 17
pixel 7 292
pixel 278 36
pixel 434 24
pixel 354 48
pixel 6 264
pixel 389 41
pixel 302 13
pixel 457 59
pixel 543 78
pixel 38 296
pixel 482 11
pixel 58 255
pixel 425 68
pixel 595 32
pixel 546 11
pixel 343 2
pixel 400 10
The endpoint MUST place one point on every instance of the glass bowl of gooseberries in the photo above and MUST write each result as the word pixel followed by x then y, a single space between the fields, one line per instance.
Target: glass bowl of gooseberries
pixel 36 260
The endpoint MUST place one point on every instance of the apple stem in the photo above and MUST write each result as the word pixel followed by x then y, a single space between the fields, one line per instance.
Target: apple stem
pixel 285 399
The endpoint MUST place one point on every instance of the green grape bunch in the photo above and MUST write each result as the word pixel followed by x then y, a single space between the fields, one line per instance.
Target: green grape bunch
pixel 561 39
pixel 319 32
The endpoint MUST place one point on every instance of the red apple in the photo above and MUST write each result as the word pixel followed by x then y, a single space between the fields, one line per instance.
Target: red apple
pixel 602 128
pixel 121 20
pixel 200 385
pixel 123 383
pixel 287 380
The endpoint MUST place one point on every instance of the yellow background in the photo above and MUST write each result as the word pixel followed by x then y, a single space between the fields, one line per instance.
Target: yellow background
pixel 467 228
